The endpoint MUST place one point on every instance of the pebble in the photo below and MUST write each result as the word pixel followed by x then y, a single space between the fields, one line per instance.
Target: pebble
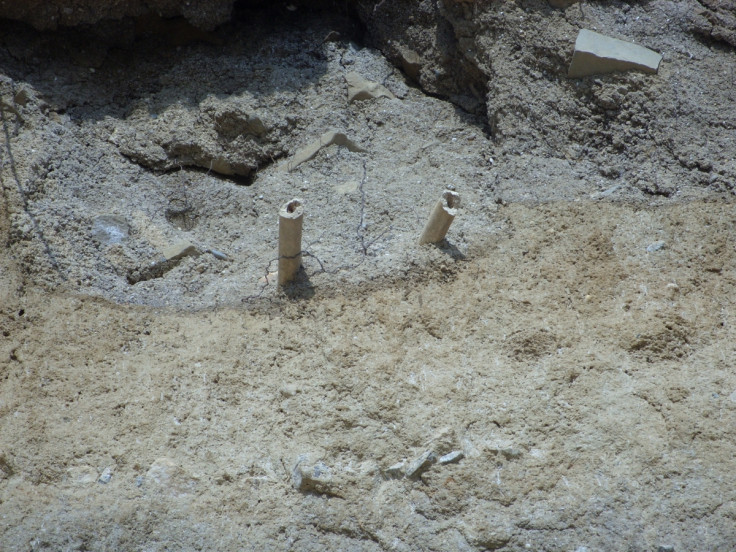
pixel 178 250
pixel 421 464
pixel 110 229
pixel 360 88
pixel 105 477
pixel 289 390
pixel 315 478
pixel 511 453
pixel 218 254
pixel 451 457
pixel 656 246
pixel 396 471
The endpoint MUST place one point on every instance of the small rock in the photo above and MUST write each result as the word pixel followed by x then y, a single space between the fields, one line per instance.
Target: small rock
pixel 411 62
pixel 105 477
pixel 22 96
pixel 396 471
pixel 139 481
pixel 666 548
pixel 451 457
pixel 218 254
pixel 179 250
pixel 443 441
pixel 511 453
pixel 606 193
pixel 482 532
pixel 110 229
pixel 672 290
pixel 310 150
pixel 363 89
pixel 289 390
pixel 656 246
pixel 317 478
pixel 421 464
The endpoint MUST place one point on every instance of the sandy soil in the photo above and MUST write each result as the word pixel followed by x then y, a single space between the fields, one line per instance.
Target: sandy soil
pixel 558 375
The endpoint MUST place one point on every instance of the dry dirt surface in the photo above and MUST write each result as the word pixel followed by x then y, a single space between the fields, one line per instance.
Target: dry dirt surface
pixel 558 375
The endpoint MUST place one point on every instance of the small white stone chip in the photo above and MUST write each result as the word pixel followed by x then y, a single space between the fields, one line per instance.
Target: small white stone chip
pixel 451 457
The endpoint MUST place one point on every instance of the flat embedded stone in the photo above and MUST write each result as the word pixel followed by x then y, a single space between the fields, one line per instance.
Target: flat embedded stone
pixel 311 150
pixel 596 54
pixel 452 457
pixel 179 250
pixel 360 88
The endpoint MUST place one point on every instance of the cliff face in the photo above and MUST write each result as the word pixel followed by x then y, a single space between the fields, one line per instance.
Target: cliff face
pixel 556 375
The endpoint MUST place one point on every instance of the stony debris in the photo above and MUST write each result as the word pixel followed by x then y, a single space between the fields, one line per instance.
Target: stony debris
pixel 179 250
pixel 504 448
pixel 314 478
pixel 105 476
pixel 312 149
pixel 360 88
pixel 452 457
pixel 289 390
pixel 171 256
pixel 228 137
pixel 396 471
pixel 598 54
pixel 421 464
pixel 486 529
pixel 411 62
pixel 443 441
pixel 656 246
pixel 110 229
pixel 219 255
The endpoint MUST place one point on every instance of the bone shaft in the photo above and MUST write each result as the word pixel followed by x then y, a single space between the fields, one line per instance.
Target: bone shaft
pixel 291 216
pixel 440 219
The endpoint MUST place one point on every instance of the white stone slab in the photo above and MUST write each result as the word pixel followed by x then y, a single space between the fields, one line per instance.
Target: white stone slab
pixel 596 54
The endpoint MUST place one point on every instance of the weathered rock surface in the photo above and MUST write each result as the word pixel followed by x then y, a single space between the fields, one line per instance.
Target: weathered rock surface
pixel 715 20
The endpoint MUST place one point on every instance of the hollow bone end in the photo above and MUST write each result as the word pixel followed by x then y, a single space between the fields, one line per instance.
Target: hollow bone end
pixel 450 201
pixel 292 210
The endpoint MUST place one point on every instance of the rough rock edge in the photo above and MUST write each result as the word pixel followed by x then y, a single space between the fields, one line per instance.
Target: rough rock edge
pixel 715 20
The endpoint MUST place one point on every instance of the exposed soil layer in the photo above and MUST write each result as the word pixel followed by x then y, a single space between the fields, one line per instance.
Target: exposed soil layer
pixel 588 382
